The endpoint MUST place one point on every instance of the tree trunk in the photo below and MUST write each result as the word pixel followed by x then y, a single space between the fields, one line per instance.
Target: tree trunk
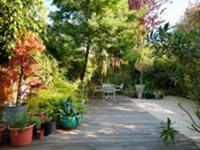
pixel 87 15
pixel 19 86
pixel 86 61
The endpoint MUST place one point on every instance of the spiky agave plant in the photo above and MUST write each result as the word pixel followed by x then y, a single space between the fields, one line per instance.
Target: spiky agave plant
pixel 168 133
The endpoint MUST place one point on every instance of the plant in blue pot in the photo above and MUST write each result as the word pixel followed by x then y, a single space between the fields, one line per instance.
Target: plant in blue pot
pixel 69 116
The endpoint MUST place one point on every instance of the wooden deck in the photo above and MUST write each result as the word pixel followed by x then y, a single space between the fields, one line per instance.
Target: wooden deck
pixel 112 126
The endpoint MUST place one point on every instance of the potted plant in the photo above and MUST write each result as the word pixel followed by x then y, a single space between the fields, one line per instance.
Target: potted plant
pixel 69 116
pixel 140 87
pixel 40 133
pixel 142 65
pixel 21 129
pixel 16 74
pixel 52 108
pixel 158 94
pixel 48 125
pixel 2 129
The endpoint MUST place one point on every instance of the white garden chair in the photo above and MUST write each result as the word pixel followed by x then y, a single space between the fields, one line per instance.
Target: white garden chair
pixel 119 88
pixel 108 90
pixel 97 89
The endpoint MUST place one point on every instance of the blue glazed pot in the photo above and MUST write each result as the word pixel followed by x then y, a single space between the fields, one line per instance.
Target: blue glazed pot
pixel 68 122
pixel 79 118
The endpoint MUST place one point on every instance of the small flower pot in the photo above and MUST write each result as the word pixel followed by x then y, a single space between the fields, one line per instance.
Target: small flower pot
pixel 48 127
pixel 2 129
pixel 40 134
pixel 68 122
pixel 21 137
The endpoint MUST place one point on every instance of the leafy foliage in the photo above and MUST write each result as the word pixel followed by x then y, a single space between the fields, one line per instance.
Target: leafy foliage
pixel 151 19
pixel 191 18
pixel 69 108
pixel 17 16
pixel 167 131
pixel 23 65
pixel 181 49
pixel 79 29
pixel 24 120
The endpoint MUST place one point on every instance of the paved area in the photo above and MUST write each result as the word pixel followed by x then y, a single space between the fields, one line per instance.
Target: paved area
pixel 122 125
pixel 168 107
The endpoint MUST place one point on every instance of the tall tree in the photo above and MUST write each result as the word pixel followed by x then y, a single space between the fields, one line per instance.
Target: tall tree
pixel 152 18
pixel 94 26
pixel 191 18
pixel 18 15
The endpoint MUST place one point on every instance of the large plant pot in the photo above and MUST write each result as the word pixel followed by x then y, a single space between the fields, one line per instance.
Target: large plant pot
pixel 13 111
pixel 68 122
pixel 79 118
pixel 2 129
pixel 48 127
pixel 139 90
pixel 21 137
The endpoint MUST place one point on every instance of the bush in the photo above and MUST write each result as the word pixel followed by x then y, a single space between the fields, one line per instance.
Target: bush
pixel 192 86
pixel 56 86
pixel 61 90
pixel 24 121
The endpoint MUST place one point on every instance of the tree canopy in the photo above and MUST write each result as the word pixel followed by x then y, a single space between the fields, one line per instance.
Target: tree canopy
pixel 17 16
pixel 92 28
pixel 152 18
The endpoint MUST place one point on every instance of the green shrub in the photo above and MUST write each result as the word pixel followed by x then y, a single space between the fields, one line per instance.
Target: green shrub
pixel 129 90
pixel 55 87
pixel 24 120
pixel 61 89
pixel 192 86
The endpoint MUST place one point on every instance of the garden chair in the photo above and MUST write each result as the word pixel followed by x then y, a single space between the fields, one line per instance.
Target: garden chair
pixel 97 89
pixel 119 88
pixel 108 90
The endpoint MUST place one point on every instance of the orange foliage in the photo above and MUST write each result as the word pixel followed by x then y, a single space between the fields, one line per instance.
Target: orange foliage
pixel 20 66
pixel 8 87
pixel 28 44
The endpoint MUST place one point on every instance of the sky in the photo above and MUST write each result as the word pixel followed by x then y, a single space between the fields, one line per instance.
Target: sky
pixel 173 13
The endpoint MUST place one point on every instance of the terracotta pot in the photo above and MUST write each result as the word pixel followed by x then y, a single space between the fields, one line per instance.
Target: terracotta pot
pixel 40 134
pixel 2 128
pixel 21 137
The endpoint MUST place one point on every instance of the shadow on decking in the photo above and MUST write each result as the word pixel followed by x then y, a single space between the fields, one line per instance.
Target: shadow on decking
pixel 112 125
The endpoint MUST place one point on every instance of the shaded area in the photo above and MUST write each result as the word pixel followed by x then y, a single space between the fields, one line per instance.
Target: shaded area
pixel 108 125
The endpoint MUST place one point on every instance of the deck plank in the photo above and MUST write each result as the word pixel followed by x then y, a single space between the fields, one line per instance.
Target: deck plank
pixel 112 126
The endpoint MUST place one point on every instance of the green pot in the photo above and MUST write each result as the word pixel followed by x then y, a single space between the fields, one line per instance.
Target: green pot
pixel 79 118
pixel 68 122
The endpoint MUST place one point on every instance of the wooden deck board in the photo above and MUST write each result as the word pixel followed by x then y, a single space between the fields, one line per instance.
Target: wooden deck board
pixel 112 126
